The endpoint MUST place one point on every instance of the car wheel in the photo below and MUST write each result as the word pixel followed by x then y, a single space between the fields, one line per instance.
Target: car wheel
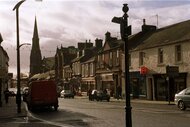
pixel 181 105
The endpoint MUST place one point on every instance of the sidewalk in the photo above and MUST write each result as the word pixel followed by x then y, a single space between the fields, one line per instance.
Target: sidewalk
pixel 10 118
pixel 8 113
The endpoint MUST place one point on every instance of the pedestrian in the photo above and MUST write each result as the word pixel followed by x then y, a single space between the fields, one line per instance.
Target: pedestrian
pixel 105 91
pixel 90 94
pixel 118 92
pixel 6 93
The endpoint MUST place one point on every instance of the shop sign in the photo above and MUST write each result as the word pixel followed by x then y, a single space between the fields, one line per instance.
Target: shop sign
pixel 143 70
pixel 172 71
pixel 107 77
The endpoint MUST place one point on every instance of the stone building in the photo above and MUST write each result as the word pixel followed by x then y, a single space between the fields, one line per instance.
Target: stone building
pixel 63 57
pixel 108 65
pixel 4 59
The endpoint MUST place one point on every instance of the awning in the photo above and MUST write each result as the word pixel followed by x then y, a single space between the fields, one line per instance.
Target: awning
pixel 107 77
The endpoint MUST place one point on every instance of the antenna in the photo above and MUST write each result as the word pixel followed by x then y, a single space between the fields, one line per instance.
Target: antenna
pixel 157 19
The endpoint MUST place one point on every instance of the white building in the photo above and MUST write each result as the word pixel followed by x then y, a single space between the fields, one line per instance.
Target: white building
pixel 157 49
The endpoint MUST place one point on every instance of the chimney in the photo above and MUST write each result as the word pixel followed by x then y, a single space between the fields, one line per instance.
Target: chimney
pixel 98 43
pixel 144 21
pixel 81 46
pixel 107 36
pixel 147 28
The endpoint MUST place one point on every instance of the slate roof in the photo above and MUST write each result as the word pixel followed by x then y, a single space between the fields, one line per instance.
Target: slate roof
pixel 49 62
pixel 167 35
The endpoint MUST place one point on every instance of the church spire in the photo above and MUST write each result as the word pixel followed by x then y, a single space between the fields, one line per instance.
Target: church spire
pixel 35 34
pixel 35 56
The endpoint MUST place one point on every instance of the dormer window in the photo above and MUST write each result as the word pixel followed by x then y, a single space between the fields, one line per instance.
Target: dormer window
pixel 83 52
pixel 78 54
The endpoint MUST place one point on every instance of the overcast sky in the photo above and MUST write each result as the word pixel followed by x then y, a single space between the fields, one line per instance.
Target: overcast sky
pixel 66 22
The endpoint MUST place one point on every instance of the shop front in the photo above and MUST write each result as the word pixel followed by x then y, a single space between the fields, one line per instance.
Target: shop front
pixel 87 83
pixel 165 87
pixel 138 85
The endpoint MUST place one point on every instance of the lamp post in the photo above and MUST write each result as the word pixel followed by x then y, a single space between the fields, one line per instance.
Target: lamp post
pixel 125 32
pixel 18 96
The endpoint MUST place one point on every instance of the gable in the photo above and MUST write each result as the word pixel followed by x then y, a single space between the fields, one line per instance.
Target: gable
pixel 106 46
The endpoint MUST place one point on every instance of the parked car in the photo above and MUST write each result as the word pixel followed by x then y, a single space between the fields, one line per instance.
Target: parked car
pixel 93 95
pixel 67 94
pixel 182 99
pixel 99 95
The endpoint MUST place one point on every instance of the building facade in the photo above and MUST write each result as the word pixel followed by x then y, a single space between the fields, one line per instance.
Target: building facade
pixel 4 59
pixel 168 46
pixel 63 57
pixel 108 65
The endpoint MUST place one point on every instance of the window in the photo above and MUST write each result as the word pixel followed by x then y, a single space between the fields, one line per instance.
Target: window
pixel 141 55
pixel 91 69
pixel 178 54
pixel 78 54
pixel 83 52
pixel 83 70
pixel 160 56
pixel 86 70
pixel 103 57
pixel 98 62
pixel 117 57
pixel 110 58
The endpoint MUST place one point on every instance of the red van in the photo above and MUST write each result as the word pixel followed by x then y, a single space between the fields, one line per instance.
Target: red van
pixel 42 94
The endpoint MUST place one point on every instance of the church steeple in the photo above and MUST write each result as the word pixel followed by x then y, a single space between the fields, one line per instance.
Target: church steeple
pixel 35 56
pixel 35 34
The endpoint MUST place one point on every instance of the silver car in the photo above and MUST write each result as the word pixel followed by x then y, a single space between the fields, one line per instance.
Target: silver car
pixel 182 99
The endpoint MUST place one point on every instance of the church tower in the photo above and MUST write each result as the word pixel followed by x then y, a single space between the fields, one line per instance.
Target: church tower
pixel 35 55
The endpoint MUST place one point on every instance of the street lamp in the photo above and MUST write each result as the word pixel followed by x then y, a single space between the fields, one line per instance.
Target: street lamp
pixel 18 96
pixel 125 32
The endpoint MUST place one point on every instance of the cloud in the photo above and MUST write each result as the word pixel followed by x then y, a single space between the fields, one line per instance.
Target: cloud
pixel 66 22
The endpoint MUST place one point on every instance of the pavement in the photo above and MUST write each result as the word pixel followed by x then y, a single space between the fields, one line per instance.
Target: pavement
pixel 10 118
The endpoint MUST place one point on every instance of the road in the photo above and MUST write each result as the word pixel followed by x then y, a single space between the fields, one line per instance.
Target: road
pixel 84 113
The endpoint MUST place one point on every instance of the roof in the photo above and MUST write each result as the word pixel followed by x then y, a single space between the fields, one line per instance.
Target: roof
pixel 168 35
pixel 42 76
pixel 49 62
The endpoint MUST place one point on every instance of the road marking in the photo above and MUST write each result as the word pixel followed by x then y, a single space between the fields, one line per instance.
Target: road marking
pixel 29 114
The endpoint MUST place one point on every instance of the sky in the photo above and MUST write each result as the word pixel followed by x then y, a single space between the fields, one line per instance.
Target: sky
pixel 67 22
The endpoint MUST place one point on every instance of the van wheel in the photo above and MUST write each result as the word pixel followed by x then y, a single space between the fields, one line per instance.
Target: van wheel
pixel 55 108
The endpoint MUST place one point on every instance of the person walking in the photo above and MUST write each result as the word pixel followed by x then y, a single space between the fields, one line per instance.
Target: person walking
pixel 118 92
pixel 6 93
